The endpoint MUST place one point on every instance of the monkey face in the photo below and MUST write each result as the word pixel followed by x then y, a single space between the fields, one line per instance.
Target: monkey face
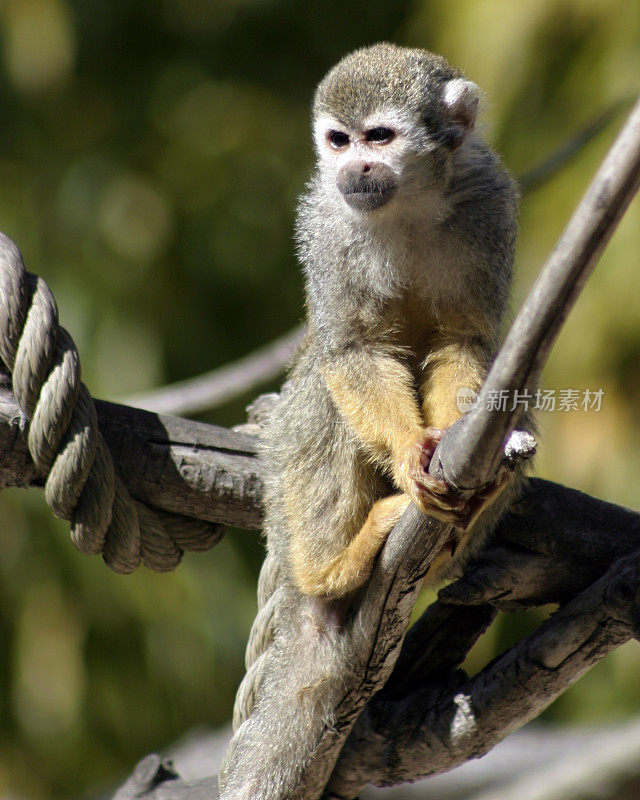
pixel 363 162
pixel 388 159
pixel 386 123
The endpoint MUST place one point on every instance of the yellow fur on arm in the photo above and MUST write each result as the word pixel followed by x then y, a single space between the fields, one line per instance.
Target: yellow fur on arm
pixel 447 369
pixel 378 398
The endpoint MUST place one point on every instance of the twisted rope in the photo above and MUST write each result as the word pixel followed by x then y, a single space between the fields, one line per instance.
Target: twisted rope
pixel 271 592
pixel 65 443
pixel 260 638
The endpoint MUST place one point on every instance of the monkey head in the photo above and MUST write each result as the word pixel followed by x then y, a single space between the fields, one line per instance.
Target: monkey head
pixel 386 121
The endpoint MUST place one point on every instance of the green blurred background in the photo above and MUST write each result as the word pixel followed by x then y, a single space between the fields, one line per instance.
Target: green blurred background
pixel 150 158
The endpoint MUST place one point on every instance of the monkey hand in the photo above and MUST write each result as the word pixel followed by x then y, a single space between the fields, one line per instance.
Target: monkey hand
pixel 431 495
pixel 434 496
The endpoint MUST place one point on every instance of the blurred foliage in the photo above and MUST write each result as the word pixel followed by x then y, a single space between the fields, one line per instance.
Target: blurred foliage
pixel 150 158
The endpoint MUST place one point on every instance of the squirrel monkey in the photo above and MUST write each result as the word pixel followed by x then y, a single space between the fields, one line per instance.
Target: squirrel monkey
pixel 406 236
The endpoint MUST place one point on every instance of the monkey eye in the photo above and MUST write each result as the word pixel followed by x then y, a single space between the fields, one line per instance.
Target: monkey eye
pixel 381 135
pixel 338 139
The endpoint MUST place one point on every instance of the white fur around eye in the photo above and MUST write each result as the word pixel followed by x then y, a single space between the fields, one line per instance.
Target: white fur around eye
pixel 321 126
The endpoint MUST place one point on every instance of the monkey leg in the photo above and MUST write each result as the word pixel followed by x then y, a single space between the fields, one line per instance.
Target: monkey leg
pixel 322 517
pixel 352 566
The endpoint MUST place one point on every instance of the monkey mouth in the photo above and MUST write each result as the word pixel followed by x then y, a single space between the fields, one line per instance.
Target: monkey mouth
pixel 367 196
pixel 365 185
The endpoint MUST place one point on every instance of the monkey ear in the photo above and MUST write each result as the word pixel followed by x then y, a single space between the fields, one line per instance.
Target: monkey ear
pixel 460 99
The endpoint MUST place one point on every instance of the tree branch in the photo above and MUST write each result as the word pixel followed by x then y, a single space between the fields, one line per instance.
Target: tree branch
pixel 580 534
pixel 435 728
pixel 539 173
pixel 540 762
pixel 223 384
pixel 601 592
pixel 474 445
pixel 171 464
pixel 553 544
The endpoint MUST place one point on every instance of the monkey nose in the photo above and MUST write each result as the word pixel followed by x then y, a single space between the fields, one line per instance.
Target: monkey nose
pixel 366 168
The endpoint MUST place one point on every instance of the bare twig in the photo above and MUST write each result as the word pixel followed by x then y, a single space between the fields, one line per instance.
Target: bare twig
pixel 223 384
pixel 537 175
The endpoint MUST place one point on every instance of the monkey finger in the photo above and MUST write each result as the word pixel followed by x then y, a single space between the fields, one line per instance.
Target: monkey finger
pixel 446 500
pixel 428 446
pixel 453 511
pixel 434 486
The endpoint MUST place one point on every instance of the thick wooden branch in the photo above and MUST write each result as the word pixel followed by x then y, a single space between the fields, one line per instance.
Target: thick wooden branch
pixel 580 538
pixel 581 551
pixel 541 762
pixel 439 726
pixel 168 463
pixel 553 544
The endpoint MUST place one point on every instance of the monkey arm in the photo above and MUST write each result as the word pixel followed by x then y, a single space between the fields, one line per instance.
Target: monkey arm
pixel 456 365
pixel 375 392
pixel 453 373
